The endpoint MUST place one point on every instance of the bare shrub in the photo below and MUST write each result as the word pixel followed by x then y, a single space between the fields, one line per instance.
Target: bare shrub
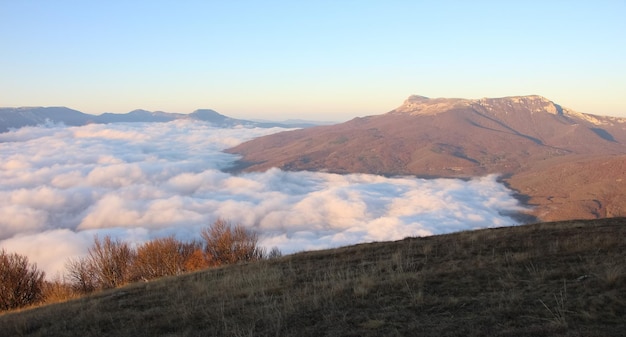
pixel 274 253
pixel 82 275
pixel 158 258
pixel 225 244
pixel 107 265
pixel 21 283
pixel 111 261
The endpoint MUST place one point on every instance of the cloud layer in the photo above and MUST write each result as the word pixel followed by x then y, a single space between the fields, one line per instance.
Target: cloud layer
pixel 59 186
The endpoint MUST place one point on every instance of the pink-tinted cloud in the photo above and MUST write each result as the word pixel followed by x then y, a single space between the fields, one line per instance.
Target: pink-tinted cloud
pixel 59 186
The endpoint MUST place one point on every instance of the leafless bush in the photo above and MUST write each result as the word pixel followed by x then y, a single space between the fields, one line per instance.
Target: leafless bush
pixel 21 283
pixel 110 263
pixel 225 244
pixel 82 275
pixel 274 253
pixel 158 258
pixel 107 265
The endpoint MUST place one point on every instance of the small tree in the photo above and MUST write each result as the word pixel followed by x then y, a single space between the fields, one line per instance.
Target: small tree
pixel 225 244
pixel 21 283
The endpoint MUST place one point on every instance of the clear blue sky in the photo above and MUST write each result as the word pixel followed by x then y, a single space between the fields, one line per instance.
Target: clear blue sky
pixel 325 60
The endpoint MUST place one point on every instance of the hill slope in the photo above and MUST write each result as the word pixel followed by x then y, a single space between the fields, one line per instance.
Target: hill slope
pixel 551 279
pixel 528 136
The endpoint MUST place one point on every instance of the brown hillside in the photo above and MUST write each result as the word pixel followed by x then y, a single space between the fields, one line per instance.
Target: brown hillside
pixel 529 140
pixel 554 279
pixel 582 187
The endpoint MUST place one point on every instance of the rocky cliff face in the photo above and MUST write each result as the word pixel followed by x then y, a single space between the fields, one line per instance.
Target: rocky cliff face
pixel 522 136
pixel 420 105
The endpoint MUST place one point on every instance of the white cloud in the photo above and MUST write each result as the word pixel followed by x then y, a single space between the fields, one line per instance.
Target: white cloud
pixel 15 219
pixel 59 186
pixel 50 250
pixel 43 197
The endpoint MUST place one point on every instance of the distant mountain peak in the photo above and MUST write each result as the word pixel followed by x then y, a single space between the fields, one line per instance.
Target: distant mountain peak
pixel 140 112
pixel 210 111
pixel 211 116
pixel 207 112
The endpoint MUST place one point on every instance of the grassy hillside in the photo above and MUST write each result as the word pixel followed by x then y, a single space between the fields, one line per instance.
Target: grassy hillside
pixel 556 279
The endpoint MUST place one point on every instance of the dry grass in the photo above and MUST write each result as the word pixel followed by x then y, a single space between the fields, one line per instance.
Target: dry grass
pixel 552 279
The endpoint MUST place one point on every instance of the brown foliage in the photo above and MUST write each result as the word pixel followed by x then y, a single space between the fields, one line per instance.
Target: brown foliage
pixel 226 244
pixel 193 256
pixel 21 284
pixel 165 257
pixel 110 263
pixel 158 258
pixel 58 290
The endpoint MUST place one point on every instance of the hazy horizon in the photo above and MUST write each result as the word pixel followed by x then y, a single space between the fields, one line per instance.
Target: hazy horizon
pixel 328 60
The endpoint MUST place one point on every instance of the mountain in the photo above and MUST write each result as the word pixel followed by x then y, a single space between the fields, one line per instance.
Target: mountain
pixel 13 118
pixel 567 164
pixel 29 116
pixel 137 116
pixel 218 119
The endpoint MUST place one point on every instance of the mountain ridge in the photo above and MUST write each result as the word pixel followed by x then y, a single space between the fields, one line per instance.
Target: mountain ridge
pixel 415 104
pixel 13 118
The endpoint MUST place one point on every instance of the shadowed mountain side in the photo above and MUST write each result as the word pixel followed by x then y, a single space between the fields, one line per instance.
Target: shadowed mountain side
pixel 453 138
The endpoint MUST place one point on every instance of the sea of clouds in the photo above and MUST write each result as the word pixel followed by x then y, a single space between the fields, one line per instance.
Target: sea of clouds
pixel 60 186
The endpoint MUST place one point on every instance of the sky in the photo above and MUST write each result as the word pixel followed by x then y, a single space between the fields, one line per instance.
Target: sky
pixel 61 186
pixel 320 60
